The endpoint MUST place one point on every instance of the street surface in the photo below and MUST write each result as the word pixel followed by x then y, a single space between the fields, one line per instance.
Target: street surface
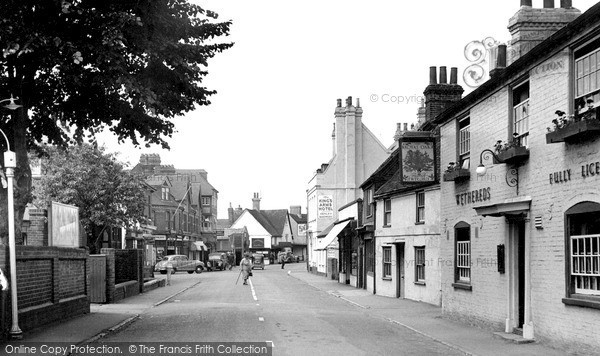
pixel 295 317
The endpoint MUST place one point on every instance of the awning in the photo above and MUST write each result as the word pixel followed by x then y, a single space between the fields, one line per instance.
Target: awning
pixel 332 235
pixel 198 246
pixel 510 207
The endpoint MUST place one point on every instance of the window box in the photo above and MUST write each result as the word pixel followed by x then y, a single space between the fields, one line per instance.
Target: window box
pixel 513 155
pixel 457 175
pixel 575 132
pixel 462 286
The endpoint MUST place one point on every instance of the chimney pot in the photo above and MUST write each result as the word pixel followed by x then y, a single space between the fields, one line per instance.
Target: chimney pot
pixel 526 2
pixel 406 126
pixel 357 102
pixel 349 101
pixel 453 75
pixel 566 4
pixel 443 76
pixel 339 103
pixel 432 75
pixel 412 127
pixel 548 4
pixel 501 59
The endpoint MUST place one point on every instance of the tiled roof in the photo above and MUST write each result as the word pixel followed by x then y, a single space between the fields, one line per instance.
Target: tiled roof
pixel 299 219
pixel 395 185
pixel 272 220
pixel 198 178
pixel 223 223
pixel 391 164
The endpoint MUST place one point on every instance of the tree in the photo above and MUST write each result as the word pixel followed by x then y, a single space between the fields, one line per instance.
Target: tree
pixel 82 66
pixel 94 181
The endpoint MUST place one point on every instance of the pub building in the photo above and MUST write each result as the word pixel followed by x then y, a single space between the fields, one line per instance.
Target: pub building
pixel 520 229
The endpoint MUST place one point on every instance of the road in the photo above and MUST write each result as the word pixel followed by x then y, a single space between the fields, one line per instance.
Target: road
pixel 295 317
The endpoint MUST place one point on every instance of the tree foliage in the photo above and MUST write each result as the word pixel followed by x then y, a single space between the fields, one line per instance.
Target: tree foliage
pixel 87 177
pixel 82 66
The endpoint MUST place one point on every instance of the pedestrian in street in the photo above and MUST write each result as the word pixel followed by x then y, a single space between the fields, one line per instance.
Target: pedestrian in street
pixel 246 267
pixel 230 260
pixel 282 260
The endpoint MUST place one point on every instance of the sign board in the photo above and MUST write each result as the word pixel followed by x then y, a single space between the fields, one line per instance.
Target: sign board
pixel 417 160
pixel 258 243
pixel 333 253
pixel 63 225
pixel 325 206
pixel 301 229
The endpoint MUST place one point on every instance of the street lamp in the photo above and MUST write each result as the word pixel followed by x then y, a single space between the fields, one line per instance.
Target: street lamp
pixel 10 163
pixel 512 175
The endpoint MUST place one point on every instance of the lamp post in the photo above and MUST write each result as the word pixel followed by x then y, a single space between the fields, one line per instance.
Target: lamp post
pixel 10 163
pixel 512 175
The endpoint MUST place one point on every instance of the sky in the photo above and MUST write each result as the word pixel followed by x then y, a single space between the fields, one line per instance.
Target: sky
pixel 269 126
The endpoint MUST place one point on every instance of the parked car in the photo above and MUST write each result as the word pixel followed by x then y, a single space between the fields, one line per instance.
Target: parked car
pixel 217 260
pixel 258 261
pixel 179 263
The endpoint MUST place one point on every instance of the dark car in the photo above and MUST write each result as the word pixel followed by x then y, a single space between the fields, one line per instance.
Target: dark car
pixel 179 263
pixel 217 260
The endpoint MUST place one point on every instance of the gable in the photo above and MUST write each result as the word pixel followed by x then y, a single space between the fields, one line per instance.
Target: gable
pixel 254 227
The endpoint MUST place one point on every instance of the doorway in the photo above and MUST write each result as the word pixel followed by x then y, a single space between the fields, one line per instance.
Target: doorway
pixel 400 270
pixel 520 234
pixel 517 275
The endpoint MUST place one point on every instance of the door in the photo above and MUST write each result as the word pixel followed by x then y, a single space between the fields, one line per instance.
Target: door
pixel 400 270
pixel 520 226
pixel 361 267
pixel 98 278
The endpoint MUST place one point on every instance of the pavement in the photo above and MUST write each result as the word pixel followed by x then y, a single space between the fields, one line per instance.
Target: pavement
pixel 422 318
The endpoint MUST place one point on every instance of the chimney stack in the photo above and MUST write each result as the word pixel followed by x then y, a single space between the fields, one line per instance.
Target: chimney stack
pixel 498 55
pixel 439 96
pixel 296 210
pixel 256 202
pixel 230 214
pixel 398 133
pixel 530 26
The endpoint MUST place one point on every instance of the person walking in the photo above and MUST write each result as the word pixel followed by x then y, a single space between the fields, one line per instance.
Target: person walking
pixel 246 267
pixel 230 261
pixel 282 260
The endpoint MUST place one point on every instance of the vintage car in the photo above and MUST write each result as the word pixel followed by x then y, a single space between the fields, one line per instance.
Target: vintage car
pixel 217 261
pixel 258 261
pixel 179 263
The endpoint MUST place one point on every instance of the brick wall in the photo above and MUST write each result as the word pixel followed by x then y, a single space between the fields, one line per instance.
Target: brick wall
pixel 52 284
pixel 122 268
pixel 37 231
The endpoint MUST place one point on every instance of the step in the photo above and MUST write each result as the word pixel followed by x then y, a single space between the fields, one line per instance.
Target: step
pixel 514 338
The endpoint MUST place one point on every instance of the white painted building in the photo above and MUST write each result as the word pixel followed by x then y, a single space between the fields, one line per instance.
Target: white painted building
pixel 356 154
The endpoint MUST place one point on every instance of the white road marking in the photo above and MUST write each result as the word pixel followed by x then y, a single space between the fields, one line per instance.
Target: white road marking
pixel 252 288
pixel 260 318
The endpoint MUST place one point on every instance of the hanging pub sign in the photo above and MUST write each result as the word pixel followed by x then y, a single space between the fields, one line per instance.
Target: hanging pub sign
pixel 418 157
